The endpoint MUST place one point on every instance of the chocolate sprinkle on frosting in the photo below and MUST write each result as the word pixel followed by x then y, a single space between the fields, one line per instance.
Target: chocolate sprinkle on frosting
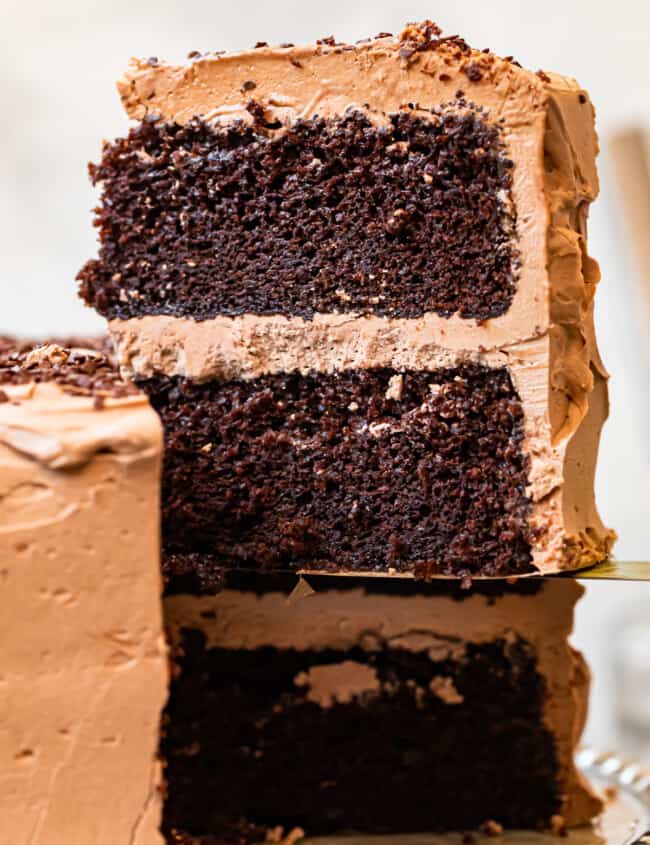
pixel 85 369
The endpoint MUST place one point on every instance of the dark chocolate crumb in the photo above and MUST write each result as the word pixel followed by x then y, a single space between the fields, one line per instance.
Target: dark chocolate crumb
pixel 286 44
pixel 473 72
pixel 82 367
pixel 462 47
pixel 256 110
pixel 424 31
pixel 329 41
pixel 259 44
pixel 248 85
pixel 384 35
pixel 543 76
pixel 444 77
pixel 582 99
pixel 194 54
pixel 295 62
pixel 427 36
pixel 152 61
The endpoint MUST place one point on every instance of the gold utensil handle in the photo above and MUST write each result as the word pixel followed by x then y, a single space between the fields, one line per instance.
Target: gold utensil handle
pixel 614 570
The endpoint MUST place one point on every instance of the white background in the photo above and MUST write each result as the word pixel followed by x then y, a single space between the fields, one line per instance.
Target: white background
pixel 58 63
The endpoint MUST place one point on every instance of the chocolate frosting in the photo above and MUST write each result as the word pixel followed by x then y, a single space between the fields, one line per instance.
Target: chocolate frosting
pixel 84 676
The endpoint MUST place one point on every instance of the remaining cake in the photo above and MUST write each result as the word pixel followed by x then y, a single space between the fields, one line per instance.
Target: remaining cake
pixel 84 675
pixel 373 709
pixel 354 281
pixel 368 705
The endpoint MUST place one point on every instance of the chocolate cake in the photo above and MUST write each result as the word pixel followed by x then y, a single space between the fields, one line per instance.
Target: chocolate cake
pixel 354 281
pixel 84 670
pixel 349 285
pixel 338 704
pixel 373 709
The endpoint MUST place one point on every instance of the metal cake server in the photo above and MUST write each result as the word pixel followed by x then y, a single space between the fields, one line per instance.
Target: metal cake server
pixel 607 570
pixel 614 570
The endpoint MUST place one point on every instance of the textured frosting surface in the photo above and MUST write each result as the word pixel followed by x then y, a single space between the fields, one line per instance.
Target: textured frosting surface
pixel 84 677
pixel 346 619
pixel 546 336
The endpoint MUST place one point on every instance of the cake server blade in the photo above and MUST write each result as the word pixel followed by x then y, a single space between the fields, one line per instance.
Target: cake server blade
pixel 606 570
pixel 614 570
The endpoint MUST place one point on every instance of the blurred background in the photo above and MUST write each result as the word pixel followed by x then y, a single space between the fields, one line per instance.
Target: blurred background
pixel 58 64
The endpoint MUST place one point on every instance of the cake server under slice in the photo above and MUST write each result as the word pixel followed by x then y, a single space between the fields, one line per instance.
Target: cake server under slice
pixel 613 570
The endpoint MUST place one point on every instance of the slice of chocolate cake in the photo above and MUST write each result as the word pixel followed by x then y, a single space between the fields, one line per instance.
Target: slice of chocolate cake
pixel 354 281
pixel 373 709
pixel 84 674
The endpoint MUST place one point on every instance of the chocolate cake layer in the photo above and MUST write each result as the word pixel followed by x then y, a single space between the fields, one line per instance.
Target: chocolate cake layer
pixel 242 730
pixel 400 218
pixel 370 712
pixel 367 471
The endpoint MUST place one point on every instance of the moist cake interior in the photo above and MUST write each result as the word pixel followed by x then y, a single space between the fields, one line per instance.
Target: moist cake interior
pixel 333 215
pixel 374 711
pixel 362 471
pixel 241 737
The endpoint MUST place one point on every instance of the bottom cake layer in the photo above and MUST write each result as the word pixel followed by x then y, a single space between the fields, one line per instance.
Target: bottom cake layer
pixel 357 710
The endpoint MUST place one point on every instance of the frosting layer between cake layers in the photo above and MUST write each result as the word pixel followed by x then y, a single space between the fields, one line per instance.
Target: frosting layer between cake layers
pixel 184 303
pixel 412 697
pixel 84 675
